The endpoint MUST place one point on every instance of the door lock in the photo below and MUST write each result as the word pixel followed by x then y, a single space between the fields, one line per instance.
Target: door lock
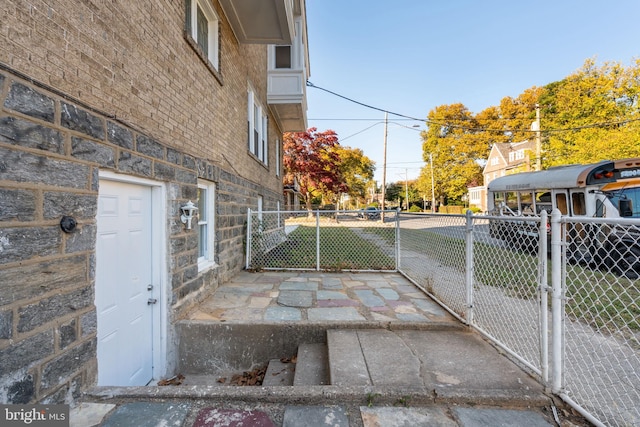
pixel 151 301
pixel 149 287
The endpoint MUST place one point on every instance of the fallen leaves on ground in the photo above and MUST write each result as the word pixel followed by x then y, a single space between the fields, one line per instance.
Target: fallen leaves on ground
pixel 254 377
pixel 176 380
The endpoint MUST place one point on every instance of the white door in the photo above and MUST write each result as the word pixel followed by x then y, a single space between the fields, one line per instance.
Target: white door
pixel 124 284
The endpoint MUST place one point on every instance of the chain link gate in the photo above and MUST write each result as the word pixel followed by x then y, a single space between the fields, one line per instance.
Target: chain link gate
pixel 322 240
pixel 600 307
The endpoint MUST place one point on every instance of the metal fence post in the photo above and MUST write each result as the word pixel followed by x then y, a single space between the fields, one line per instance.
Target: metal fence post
pixel 249 240
pixel 318 240
pixel 556 303
pixel 543 291
pixel 469 265
pixel 398 241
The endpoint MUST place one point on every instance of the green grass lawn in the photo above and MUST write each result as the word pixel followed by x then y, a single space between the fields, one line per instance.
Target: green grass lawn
pixel 602 299
pixel 341 249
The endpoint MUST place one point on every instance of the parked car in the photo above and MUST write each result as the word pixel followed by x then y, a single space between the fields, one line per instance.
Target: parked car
pixel 371 212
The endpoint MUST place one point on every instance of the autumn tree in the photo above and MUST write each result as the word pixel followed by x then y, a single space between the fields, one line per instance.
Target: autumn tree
pixel 592 115
pixel 311 160
pixel 356 170
pixel 424 184
pixel 392 192
pixel 453 142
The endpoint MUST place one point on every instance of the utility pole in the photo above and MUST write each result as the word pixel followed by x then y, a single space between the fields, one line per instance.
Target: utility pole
pixel 538 140
pixel 384 166
pixel 433 189
pixel 406 188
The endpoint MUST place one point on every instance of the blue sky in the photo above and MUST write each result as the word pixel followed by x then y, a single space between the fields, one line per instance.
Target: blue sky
pixel 409 56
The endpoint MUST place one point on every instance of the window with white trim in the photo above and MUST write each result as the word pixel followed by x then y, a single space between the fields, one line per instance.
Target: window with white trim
pixel 277 157
pixel 202 25
pixel 257 128
pixel 206 221
pixel 283 56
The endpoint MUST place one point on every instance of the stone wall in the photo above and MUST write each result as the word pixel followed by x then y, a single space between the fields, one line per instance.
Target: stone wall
pixel 85 87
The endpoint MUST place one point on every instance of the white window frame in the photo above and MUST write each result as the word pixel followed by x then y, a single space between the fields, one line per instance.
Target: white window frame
pixel 257 128
pixel 206 225
pixel 278 157
pixel 289 57
pixel 212 31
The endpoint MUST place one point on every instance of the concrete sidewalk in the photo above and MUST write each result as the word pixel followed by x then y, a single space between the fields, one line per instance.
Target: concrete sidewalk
pixel 395 358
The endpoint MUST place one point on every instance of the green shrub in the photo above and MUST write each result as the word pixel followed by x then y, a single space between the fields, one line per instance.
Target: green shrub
pixel 473 209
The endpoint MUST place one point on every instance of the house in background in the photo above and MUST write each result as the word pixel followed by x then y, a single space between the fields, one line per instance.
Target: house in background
pixel 505 158
pixel 114 117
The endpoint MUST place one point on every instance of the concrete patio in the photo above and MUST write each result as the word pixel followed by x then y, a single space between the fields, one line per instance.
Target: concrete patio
pixel 320 297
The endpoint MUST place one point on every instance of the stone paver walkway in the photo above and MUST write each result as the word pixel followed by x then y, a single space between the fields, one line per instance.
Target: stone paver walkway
pixel 319 297
pixel 192 414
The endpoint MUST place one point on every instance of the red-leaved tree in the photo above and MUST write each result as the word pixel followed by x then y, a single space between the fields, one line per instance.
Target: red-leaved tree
pixel 310 160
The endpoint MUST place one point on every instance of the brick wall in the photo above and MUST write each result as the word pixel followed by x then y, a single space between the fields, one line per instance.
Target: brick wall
pixel 95 85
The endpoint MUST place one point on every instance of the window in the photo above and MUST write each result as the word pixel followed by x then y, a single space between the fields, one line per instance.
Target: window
pixel 543 201
pixel 257 129
pixel 526 203
pixel 578 204
pixel 561 203
pixel 512 156
pixel 206 231
pixel 277 157
pixel 202 25
pixel 283 56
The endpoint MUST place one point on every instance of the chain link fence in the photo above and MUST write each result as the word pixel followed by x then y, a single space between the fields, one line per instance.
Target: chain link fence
pixel 485 272
pixel 601 303
pixel 561 295
pixel 322 240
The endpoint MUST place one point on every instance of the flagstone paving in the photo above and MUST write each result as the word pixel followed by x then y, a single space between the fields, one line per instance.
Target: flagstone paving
pixel 319 297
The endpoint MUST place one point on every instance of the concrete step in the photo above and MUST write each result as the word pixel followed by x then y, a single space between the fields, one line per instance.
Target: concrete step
pixel 279 373
pixel 312 365
pixel 346 361
pixel 376 356
pixel 454 365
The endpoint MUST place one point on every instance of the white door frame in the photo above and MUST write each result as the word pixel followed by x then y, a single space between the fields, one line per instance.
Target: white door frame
pixel 158 264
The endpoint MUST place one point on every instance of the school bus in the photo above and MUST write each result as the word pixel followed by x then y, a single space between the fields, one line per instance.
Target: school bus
pixel 607 189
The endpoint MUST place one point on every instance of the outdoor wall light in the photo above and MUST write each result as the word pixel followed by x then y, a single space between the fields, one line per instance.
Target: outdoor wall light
pixel 188 212
pixel 68 223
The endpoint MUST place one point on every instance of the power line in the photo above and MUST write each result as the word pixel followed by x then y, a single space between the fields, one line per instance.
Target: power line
pixel 375 124
pixel 473 129
pixel 337 119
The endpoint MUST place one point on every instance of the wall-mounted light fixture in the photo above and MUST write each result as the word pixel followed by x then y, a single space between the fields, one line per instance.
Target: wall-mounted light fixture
pixel 68 223
pixel 188 212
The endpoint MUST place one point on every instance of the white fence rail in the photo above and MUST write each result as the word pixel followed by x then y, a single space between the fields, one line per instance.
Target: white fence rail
pixel 566 306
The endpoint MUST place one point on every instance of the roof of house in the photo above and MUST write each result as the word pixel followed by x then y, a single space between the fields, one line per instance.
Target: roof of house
pixel 503 149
